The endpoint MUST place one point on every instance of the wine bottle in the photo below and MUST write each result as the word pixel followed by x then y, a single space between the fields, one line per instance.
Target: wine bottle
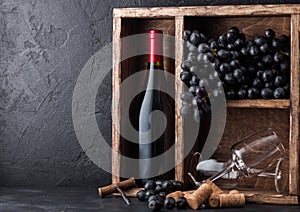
pixel 150 125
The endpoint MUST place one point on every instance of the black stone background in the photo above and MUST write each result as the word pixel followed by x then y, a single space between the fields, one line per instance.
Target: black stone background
pixel 43 46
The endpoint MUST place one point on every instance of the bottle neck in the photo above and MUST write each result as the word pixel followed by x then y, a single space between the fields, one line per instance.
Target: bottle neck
pixel 155 65
pixel 153 77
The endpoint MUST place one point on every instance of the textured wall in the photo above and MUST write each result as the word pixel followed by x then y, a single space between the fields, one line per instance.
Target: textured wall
pixel 43 46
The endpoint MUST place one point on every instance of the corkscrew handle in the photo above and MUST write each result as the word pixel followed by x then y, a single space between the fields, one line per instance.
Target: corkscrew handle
pixel 126 184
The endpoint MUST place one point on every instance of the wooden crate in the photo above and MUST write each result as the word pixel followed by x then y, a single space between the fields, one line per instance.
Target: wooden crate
pixel 243 116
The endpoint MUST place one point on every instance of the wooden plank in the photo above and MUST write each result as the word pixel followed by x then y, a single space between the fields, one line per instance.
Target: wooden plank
pixel 116 82
pixel 179 144
pixel 294 115
pixel 259 103
pixel 265 199
pixel 252 26
pixel 231 10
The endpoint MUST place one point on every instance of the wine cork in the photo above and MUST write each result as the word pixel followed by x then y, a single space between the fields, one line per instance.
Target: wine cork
pixel 175 195
pixel 234 192
pixel 126 184
pixel 199 196
pixel 188 192
pixel 187 195
pixel 214 187
pixel 213 200
pixel 231 200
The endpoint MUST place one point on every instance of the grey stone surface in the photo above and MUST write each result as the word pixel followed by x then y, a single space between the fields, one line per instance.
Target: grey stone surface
pixel 87 199
pixel 43 46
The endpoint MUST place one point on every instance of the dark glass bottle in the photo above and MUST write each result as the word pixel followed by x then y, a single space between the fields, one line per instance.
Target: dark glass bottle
pixel 149 124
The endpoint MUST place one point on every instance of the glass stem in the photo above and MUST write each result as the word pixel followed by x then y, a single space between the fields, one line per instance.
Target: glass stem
pixel 225 171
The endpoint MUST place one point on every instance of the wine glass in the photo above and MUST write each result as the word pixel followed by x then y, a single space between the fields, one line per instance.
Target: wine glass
pixel 254 155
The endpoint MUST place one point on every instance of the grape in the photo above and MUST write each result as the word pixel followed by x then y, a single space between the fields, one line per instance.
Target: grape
pixel 181 202
pixel 275 43
pixel 229 79
pixel 279 93
pixel 242 93
pixel 192 90
pixel 163 194
pixel 203 83
pixel 270 34
pixel 244 52
pixel 264 48
pixel 224 68
pixel 150 184
pixel 267 76
pixel 284 39
pixel 259 74
pixel 192 56
pixel 196 101
pixel 241 80
pixel 254 51
pixel 234 30
pixel 237 73
pixel 186 111
pixel 185 66
pixel 155 205
pixel 269 85
pixel 193 48
pixel 279 57
pixel 286 88
pixel 239 43
pixel 203 38
pixel 230 94
pixel 260 65
pixel 259 40
pixel 201 92
pixel 194 38
pixel 253 93
pixel 284 67
pixel 178 186
pixel 141 195
pixel 186 96
pixel 208 57
pixel 200 57
pixel 267 60
pixel 231 37
pixel 266 93
pixel 257 83
pixel 185 77
pixel 187 34
pixel 235 54
pixel 169 203
pixel 235 64
pixel 280 81
pixel 149 193
pixel 203 48
pixel 167 186
pixel 222 40
pixel 214 45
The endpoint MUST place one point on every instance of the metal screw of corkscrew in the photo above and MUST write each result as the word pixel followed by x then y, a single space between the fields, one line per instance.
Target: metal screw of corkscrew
pixel 197 184
pixel 126 200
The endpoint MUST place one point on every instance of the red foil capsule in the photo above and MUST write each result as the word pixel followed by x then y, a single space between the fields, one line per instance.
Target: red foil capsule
pixel 155 47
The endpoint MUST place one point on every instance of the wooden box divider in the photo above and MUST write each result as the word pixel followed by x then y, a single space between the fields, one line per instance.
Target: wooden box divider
pixel 285 18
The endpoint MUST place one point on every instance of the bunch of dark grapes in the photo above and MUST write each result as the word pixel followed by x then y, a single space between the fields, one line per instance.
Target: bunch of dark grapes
pixel 155 193
pixel 258 68
pixel 197 71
